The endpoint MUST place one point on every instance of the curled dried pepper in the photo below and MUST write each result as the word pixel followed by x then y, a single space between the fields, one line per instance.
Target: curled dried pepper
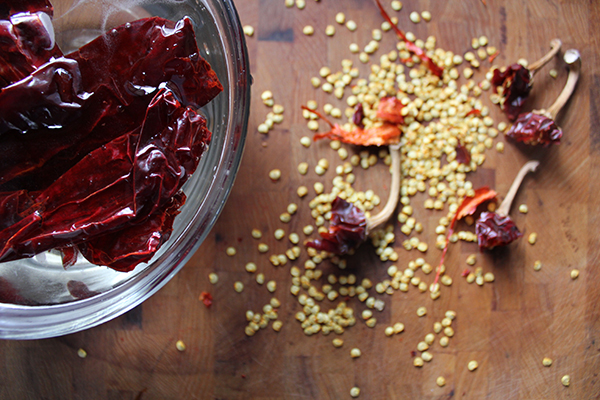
pixel 497 228
pixel 533 129
pixel 516 82
pixel 539 127
pixel 493 230
pixel 380 135
pixel 390 110
pixel 347 229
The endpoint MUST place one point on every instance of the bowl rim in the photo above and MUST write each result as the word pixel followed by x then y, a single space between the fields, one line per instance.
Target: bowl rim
pixel 31 322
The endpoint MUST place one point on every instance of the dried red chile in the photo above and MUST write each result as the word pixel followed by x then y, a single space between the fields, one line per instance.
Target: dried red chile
pixel 97 144
pixel 347 229
pixel 516 84
pixel 495 230
pixel 534 129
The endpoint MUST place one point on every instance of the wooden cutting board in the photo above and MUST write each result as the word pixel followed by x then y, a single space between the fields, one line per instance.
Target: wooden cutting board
pixel 507 326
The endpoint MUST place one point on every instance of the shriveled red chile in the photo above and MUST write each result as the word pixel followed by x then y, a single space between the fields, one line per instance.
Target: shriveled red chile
pixel 516 85
pixel 97 144
pixel 493 230
pixel 84 100
pixel 534 129
pixel 347 229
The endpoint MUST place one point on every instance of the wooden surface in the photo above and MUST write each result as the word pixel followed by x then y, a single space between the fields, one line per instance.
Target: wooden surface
pixel 508 326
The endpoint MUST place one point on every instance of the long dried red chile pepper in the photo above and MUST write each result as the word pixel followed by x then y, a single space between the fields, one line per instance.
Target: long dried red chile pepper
pixel 99 142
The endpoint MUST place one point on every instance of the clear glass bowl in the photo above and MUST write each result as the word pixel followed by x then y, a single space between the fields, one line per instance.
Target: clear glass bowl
pixel 42 280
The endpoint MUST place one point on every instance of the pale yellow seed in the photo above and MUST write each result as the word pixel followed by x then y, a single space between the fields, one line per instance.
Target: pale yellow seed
pixel 574 274
pixel 440 381
pixel 213 278
pixel 444 341
pixel 238 287
pixel 565 380
pixel 489 277
pixel 532 238
pixel 351 25
pixel 263 247
pixel 279 234
pixel 537 265
pixel 355 352
pixel 275 174
pixel 263 128
pixel 266 95
pixel 426 15
pixel 315 82
pixel 303 168
pixel 355 391
pixel 278 109
pixel 472 366
pixel 82 353
pixel 256 234
pixel 300 4
pixel 523 209
pixel 396 5
pixel 289 3
pixel 500 147
pixel 553 73
pixel 337 342
pixel 389 331
pixel 415 17
pixel 179 345
pixel 313 125
pixel 271 286
pixel 354 48
pixel 418 362
pixel 546 362
pixel 421 311
pixel 426 356
pixel 340 18
pixel 330 30
pixel 308 30
pixel 248 30
pixel 308 230
pixel 230 251
pixel 277 325
pixel 251 267
pixel 302 191
pixel 260 278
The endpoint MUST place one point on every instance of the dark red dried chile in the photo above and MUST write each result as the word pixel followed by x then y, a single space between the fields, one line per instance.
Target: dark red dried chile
pixel 534 129
pixel 516 84
pixel 495 230
pixel 347 229
pixel 97 144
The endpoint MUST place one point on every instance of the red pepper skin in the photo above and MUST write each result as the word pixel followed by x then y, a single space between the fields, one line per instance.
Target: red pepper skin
pixel 11 7
pixel 390 110
pixel 347 229
pixel 96 97
pixel 117 185
pixel 516 82
pixel 534 129
pixel 359 114
pixel 26 43
pixel 124 249
pixel 495 230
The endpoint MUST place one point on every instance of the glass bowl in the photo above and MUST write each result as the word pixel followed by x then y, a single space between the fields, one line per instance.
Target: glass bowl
pixel 85 295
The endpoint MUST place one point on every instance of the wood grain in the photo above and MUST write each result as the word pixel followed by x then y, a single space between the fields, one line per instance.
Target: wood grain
pixel 508 326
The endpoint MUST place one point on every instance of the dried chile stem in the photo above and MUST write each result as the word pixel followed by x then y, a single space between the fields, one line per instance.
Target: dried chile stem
pixel 572 58
pixel 392 202
pixel 554 48
pixel 507 202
